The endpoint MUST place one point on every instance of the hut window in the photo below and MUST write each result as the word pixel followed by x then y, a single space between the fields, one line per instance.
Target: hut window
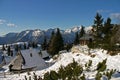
pixel 90 39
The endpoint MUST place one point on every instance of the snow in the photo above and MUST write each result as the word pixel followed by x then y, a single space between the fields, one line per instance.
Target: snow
pixel 37 32
pixel 26 33
pixel 82 58
pixel 44 54
pixel 33 61
pixel 76 29
pixel 38 35
pixel 87 29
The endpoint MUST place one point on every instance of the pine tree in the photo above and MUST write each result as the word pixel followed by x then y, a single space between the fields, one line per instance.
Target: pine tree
pixel 76 41
pixel 56 43
pixel 8 50
pixel 34 44
pixel 52 35
pixel 25 46
pixel 44 45
pixel 3 47
pixel 49 44
pixel 98 24
pixel 107 26
pixel 16 47
pixel 107 31
pixel 82 32
pixel 98 28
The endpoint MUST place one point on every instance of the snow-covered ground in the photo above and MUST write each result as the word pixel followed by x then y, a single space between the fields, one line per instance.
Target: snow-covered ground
pixel 113 62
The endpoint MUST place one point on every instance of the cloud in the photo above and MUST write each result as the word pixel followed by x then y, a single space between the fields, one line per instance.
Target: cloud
pixel 11 25
pixel 115 16
pixel 103 11
pixel 8 24
pixel 2 21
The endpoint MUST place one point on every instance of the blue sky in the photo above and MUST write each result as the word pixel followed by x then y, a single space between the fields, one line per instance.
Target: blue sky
pixel 18 15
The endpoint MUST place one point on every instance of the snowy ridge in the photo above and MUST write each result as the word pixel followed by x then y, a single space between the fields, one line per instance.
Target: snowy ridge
pixel 38 35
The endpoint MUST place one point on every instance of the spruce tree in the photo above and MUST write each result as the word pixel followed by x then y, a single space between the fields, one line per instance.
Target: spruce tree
pixel 25 46
pixel 3 47
pixel 49 43
pixel 56 43
pixel 98 30
pixel 52 35
pixel 16 47
pixel 107 26
pixel 76 41
pixel 34 44
pixel 44 45
pixel 108 31
pixel 98 24
pixel 82 32
pixel 8 50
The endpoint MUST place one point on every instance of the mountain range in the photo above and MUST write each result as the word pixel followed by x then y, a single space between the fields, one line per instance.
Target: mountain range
pixel 38 35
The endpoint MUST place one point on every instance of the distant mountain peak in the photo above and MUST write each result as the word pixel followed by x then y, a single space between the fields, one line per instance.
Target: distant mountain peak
pixel 38 35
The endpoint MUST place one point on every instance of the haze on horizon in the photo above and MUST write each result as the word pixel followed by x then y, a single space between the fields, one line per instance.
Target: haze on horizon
pixel 18 15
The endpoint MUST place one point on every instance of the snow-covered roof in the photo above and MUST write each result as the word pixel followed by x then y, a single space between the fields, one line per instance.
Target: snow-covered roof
pixel 32 59
pixel 16 62
pixel 44 54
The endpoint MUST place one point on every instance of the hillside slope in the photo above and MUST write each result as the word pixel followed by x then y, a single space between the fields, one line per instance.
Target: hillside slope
pixel 81 57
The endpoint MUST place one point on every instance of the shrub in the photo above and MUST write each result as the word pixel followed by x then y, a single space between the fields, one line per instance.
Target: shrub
pixel 92 55
pixel 47 76
pixel 83 77
pixel 53 75
pixel 62 73
pixel 71 72
pixel 90 63
pixel 98 76
pixel 109 74
pixel 87 65
pixel 101 65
